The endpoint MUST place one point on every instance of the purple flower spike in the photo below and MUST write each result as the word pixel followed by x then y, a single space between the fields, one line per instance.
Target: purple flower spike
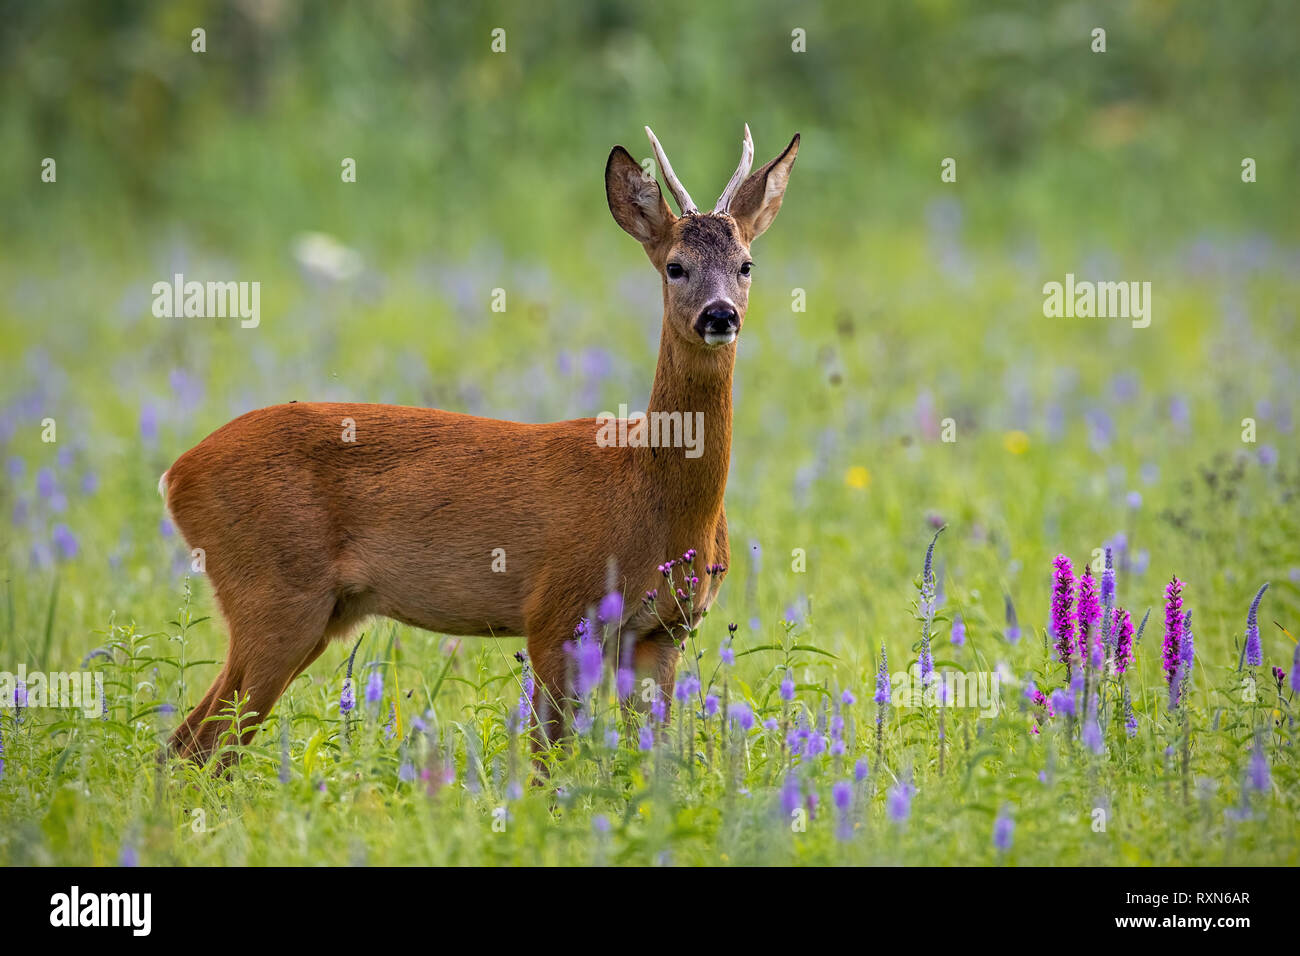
pixel 882 680
pixel 1063 607
pixel 1088 615
pixel 1123 624
pixel 958 631
pixel 1004 829
pixel 1173 628
pixel 1254 652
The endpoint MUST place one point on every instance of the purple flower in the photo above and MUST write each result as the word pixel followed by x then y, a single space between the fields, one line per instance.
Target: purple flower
pixel 45 485
pixel 787 688
pixel 741 715
pixel 860 770
pixel 1123 628
pixel 726 653
pixel 588 660
pixel 1062 607
pixel 374 687
pixel 611 608
pixel 958 630
pixel 1173 628
pixel 149 423
pixel 1004 829
pixel 842 795
pixel 882 680
pixel 711 705
pixel 898 803
pixel 1088 613
pixel 847 698
pixel 406 772
pixel 1258 775
pixel 1108 581
pixel 1134 500
pixel 1254 652
pixel 646 739
pixel 1062 702
pixel 1295 669
pixel 64 541
pixel 791 798
pixel 347 699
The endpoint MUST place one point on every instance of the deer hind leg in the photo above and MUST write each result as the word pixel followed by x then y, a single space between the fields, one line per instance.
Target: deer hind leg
pixel 266 653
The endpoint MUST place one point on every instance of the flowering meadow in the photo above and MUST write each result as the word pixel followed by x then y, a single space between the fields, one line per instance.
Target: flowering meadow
pixel 1004 588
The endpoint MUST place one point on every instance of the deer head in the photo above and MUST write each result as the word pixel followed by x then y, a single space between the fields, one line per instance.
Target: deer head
pixel 703 258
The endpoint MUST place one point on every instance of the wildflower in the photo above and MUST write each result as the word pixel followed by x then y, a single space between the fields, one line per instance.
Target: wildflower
pixel 646 740
pixel 1108 581
pixel 1173 628
pixel 374 688
pixel 1130 718
pixel 1122 628
pixel 1254 653
pixel 1088 613
pixel 898 804
pixel 958 630
pixel 726 653
pixel 882 681
pixel 611 739
pixel 842 795
pixel 740 715
pixel 611 608
pixel 1062 701
pixel 848 699
pixel 624 682
pixel 791 798
pixel 1134 500
pixel 787 688
pixel 659 708
pixel 1279 677
pixel 711 705
pixel 1258 775
pixel 1062 607
pixel 406 772
pixel 861 770
pixel 64 541
pixel 1004 829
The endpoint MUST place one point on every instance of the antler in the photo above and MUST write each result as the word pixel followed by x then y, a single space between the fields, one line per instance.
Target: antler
pixel 738 177
pixel 675 187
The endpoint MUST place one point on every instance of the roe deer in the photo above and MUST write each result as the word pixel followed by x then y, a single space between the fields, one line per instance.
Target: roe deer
pixel 306 534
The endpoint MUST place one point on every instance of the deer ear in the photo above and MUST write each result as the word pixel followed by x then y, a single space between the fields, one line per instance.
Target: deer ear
pixel 634 198
pixel 759 197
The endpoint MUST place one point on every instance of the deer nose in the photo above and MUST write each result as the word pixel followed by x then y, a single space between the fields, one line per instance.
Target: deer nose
pixel 718 323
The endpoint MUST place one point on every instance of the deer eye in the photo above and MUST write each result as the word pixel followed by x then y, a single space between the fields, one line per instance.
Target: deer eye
pixel 674 270
pixel 744 270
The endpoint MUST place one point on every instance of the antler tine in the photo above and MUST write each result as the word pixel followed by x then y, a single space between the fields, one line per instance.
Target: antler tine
pixel 675 186
pixel 738 177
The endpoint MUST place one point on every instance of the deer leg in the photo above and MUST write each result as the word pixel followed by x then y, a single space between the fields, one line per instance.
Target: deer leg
pixel 260 665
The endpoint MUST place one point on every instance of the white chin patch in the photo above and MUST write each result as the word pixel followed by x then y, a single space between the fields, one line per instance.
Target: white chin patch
pixel 715 339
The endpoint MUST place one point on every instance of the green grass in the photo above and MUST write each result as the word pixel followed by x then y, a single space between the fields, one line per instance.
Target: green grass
pixel 836 453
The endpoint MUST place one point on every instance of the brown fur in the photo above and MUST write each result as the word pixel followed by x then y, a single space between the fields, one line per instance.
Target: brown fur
pixel 306 535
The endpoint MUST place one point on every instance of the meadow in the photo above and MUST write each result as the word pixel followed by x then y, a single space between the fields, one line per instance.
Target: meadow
pixel 896 376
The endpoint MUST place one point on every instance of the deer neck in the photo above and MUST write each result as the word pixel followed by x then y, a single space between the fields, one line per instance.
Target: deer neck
pixel 694 382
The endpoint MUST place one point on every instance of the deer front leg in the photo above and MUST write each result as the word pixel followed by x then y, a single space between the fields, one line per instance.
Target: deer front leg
pixel 653 659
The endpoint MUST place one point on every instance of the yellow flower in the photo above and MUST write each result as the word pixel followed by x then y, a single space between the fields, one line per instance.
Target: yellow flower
pixel 857 477
pixel 1016 442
